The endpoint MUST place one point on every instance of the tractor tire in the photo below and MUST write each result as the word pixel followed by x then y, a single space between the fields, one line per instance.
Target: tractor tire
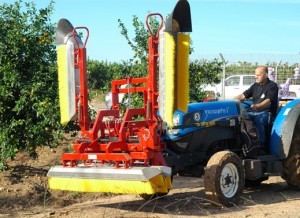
pixel 291 165
pixel 224 178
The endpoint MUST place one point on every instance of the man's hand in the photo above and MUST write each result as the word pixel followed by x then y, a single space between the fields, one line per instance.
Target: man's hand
pixel 254 107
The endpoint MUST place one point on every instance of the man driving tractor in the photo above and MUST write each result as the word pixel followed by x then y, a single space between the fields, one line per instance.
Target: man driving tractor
pixel 264 94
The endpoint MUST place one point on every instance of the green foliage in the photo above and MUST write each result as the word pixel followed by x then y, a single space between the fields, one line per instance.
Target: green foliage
pixel 139 44
pixel 242 67
pixel 28 79
pixel 137 66
pixel 101 73
pixel 203 72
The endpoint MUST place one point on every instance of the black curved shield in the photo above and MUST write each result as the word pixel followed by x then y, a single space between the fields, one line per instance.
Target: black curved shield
pixel 64 32
pixel 180 19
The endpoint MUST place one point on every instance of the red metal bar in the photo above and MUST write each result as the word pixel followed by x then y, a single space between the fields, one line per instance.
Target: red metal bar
pixel 80 62
pixel 116 157
pixel 152 69
pixel 97 156
pixel 110 139
pixel 152 92
pixel 115 88
pixel 98 124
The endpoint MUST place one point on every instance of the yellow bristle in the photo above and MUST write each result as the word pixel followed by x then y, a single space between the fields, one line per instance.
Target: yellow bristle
pixel 183 43
pixel 157 184
pixel 63 84
pixel 169 58
pixel 68 80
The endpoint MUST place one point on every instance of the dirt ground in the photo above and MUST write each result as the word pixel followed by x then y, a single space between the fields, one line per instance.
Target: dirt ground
pixel 24 193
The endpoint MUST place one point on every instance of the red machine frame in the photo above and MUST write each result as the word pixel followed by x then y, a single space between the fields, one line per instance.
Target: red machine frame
pixel 122 141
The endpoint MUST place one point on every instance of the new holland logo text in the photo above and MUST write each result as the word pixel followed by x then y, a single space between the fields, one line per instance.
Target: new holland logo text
pixel 216 111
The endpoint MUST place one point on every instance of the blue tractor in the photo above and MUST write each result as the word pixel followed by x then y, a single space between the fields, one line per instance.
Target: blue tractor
pixel 208 140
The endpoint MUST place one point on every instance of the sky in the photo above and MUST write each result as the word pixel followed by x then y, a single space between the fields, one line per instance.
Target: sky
pixel 219 26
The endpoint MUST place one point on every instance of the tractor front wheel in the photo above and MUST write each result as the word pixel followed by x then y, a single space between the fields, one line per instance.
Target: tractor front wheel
pixel 224 178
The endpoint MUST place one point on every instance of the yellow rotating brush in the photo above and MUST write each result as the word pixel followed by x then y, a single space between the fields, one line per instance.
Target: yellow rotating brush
pixel 138 180
pixel 67 106
pixel 68 76
pixel 174 74
pixel 182 89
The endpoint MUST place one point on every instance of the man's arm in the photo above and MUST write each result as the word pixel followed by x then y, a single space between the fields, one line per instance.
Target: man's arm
pixel 246 94
pixel 262 105
pixel 240 97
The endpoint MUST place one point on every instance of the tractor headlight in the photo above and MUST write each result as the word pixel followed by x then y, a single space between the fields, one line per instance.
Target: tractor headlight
pixel 176 122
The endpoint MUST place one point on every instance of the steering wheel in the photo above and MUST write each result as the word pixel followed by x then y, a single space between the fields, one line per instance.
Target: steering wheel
pixel 247 104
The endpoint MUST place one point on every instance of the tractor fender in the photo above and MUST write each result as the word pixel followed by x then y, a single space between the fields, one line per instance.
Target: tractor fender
pixel 283 129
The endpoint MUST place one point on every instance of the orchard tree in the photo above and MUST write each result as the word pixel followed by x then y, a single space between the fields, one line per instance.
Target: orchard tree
pixel 138 63
pixel 201 72
pixel 101 73
pixel 137 66
pixel 29 113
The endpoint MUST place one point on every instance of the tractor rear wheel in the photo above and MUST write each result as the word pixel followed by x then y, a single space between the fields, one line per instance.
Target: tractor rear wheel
pixel 224 178
pixel 291 165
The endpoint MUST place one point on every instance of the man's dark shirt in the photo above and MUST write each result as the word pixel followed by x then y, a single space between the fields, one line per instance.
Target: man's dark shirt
pixel 258 92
